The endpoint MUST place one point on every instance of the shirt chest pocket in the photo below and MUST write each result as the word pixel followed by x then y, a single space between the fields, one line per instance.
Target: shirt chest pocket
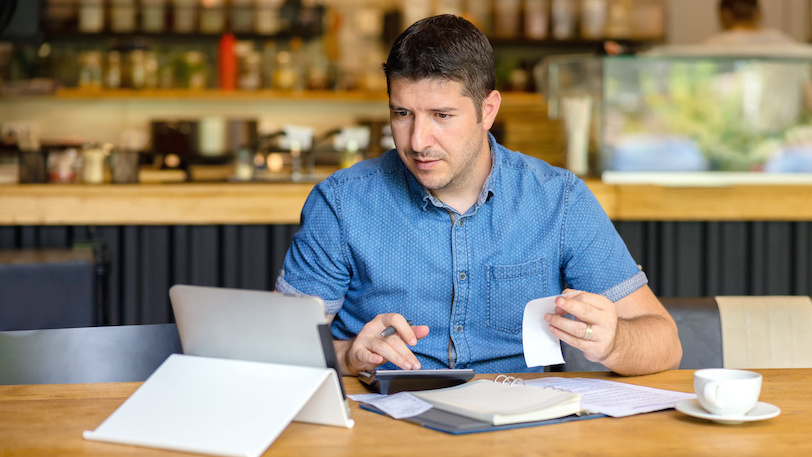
pixel 509 288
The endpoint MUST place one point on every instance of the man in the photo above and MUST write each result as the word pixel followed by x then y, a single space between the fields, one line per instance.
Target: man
pixel 457 233
pixel 741 26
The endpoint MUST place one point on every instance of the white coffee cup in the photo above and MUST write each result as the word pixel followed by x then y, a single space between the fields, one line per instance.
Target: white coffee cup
pixel 726 392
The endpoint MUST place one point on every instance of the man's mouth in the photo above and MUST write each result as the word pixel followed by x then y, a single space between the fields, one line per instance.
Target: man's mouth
pixel 425 163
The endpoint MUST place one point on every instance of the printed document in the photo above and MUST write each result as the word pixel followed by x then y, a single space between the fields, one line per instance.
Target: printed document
pixel 616 399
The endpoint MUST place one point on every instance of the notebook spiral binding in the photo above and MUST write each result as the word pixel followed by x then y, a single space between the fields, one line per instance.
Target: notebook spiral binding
pixel 510 380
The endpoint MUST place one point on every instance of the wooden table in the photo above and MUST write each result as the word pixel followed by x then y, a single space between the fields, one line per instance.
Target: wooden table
pixel 49 420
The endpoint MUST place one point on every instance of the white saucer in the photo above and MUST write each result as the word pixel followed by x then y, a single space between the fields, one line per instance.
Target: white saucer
pixel 760 412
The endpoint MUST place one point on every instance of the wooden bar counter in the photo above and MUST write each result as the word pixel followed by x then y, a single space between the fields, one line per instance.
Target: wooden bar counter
pixel 281 203
pixel 50 419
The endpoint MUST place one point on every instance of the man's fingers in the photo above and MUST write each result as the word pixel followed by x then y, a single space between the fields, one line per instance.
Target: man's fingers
pixel 394 349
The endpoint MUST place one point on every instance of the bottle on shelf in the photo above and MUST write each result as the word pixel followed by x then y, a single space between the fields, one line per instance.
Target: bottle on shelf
pixel 284 72
pixel 91 16
pixel 564 19
pixel 227 62
pixel 506 19
pixel 241 16
pixel 90 70
pixel 122 16
pixel 267 21
pixel 249 66
pixel 479 13
pixel 593 19
pixel 536 19
pixel 112 77
pixel 212 16
pixel 185 16
pixel 153 16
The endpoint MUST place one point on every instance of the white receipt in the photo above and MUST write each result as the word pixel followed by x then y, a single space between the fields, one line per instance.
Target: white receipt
pixel 399 405
pixel 616 399
pixel 541 347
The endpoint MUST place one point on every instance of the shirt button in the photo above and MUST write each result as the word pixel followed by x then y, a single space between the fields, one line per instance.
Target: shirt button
pixel 458 329
pixel 462 276
pixel 461 222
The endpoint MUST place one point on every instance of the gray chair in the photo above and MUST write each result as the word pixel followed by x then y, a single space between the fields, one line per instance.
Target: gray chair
pixel 48 288
pixel 86 354
pixel 700 332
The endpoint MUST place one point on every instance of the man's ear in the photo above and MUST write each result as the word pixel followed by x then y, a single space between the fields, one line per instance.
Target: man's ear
pixel 490 108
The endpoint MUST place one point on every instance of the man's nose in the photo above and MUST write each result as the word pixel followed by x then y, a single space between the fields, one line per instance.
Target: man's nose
pixel 422 134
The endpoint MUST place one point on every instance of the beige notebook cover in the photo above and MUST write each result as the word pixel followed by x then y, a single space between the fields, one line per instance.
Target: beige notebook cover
pixel 500 404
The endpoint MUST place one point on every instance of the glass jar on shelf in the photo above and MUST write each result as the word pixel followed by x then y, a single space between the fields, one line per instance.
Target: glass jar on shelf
pixel 153 16
pixel 90 70
pixel 593 18
pixel 185 16
pixel 137 68
pixel 193 73
pixel 242 16
pixel 506 18
pixel 112 77
pixel 122 16
pixel 536 19
pixel 151 70
pixel 285 75
pixel 212 16
pixel 564 19
pixel 249 66
pixel 267 21
pixel 618 19
pixel 91 16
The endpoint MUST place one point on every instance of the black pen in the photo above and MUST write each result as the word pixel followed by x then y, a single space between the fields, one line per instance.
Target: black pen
pixel 389 331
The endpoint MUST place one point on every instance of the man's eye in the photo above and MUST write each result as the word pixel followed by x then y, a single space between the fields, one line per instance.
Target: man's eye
pixel 443 115
pixel 401 113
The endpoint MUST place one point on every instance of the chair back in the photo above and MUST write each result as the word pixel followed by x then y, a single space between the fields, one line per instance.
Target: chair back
pixel 86 354
pixel 700 333
pixel 733 332
pixel 48 288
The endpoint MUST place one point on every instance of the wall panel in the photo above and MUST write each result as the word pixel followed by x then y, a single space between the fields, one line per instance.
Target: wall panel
pixel 681 259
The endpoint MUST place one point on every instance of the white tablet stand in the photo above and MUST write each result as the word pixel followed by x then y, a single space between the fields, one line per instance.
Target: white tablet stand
pixel 223 407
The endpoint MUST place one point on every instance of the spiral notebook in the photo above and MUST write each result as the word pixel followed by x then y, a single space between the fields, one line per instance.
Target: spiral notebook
pixel 504 403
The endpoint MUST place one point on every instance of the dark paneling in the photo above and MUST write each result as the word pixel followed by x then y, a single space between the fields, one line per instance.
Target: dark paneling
pixel 694 259
pixel 681 259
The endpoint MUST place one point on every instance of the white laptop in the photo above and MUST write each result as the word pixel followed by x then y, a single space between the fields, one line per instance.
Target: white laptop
pixel 259 326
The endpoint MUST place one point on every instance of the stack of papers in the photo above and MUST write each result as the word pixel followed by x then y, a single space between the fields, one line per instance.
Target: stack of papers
pixel 610 398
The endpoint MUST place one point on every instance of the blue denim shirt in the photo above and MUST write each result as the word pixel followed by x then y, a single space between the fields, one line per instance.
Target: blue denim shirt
pixel 373 240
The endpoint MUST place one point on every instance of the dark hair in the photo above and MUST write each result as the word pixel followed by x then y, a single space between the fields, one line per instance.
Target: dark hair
pixel 741 10
pixel 444 47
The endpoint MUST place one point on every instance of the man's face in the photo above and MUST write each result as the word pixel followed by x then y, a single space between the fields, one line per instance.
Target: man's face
pixel 438 137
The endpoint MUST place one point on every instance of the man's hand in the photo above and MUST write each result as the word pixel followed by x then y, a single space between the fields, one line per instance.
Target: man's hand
pixel 632 336
pixel 594 328
pixel 370 349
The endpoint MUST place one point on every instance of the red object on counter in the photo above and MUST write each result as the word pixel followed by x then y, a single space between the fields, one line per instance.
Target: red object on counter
pixel 227 62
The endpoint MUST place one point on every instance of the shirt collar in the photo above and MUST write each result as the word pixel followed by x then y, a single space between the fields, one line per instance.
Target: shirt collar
pixel 484 195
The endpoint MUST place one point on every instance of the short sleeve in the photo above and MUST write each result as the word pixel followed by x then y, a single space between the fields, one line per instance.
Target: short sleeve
pixel 316 263
pixel 595 257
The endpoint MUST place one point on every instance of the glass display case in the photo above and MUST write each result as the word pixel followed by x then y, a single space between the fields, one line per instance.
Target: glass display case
pixel 706 114
pixel 680 117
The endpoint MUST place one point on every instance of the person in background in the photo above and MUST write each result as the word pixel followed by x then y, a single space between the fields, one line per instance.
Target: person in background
pixel 457 233
pixel 741 26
